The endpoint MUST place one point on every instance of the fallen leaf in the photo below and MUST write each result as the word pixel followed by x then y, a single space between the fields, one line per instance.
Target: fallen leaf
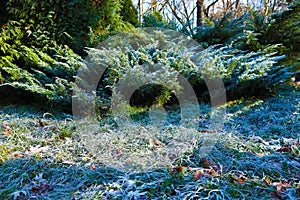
pixel 260 154
pixel 18 155
pixel 241 179
pixel 199 174
pixel 208 163
pixel 209 131
pixel 280 185
pixel 154 143
pixel 93 166
pixel 27 27
pixel 5 124
pixel 5 26
pixel 276 195
pixel 211 172
pixel 41 123
pixel 285 149
pixel 267 180
pixel 151 143
pixel 159 143
pixel 6 128
pixel 7 132
pixel 40 188
pixel 180 169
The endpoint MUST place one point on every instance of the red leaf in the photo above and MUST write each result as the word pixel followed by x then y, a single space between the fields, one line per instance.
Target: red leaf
pixel 180 169
pixel 285 149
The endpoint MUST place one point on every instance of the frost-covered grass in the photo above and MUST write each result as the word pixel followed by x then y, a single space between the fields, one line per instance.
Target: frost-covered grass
pixel 256 157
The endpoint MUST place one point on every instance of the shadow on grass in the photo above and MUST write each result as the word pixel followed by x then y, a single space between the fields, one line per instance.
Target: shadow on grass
pixel 30 178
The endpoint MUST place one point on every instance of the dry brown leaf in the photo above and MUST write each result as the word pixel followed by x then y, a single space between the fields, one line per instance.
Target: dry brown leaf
pixel 209 131
pixel 159 143
pixel 242 179
pixel 5 26
pixel 280 185
pixel 208 163
pixel 199 174
pixel 7 132
pixel 260 154
pixel 151 143
pixel 93 166
pixel 6 128
pixel 211 172
pixel 285 149
pixel 276 195
pixel 267 180
pixel 41 123
pixel 42 187
pixel 18 155
pixel 27 27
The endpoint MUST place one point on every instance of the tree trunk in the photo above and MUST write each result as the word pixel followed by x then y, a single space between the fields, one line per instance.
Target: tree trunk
pixel 140 4
pixel 200 13
pixel 266 7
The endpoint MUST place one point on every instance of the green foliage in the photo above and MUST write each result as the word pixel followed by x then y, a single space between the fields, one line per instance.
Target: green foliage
pixel 32 69
pixel 245 74
pixel 284 28
pixel 37 44
pixel 253 31
pixel 67 22
pixel 221 31
pixel 110 21
pixel 129 13
pixel 155 19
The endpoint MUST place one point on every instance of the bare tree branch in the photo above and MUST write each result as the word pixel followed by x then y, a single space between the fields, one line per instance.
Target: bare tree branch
pixel 187 16
pixel 208 7
pixel 174 12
